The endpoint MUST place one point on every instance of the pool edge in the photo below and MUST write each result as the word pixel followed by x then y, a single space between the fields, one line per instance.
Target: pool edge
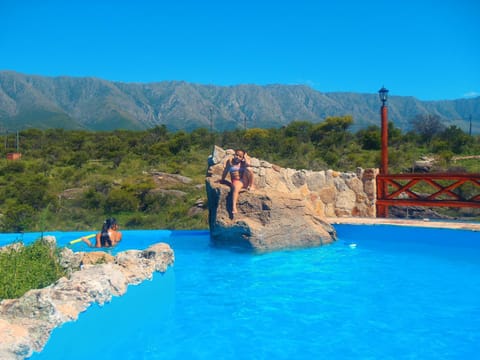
pixel 405 222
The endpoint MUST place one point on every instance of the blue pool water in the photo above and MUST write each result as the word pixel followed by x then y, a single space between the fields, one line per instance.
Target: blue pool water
pixel 379 292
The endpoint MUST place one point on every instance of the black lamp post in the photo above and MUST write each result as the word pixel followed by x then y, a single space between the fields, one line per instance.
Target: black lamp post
pixel 383 94
pixel 382 210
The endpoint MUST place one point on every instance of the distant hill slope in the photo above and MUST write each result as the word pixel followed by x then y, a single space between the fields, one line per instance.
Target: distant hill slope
pixel 96 104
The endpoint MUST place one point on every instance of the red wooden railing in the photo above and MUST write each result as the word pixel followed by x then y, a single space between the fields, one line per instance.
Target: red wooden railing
pixel 432 190
pixel 441 189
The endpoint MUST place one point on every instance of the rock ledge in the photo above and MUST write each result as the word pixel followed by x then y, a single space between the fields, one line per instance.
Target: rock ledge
pixel 26 323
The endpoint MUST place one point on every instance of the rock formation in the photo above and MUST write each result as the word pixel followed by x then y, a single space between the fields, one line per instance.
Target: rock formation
pixel 26 323
pixel 288 207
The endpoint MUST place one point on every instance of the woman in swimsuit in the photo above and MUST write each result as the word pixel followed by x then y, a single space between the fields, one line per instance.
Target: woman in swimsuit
pixel 240 174
pixel 108 237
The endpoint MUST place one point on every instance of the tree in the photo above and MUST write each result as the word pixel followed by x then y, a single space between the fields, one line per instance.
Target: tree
pixel 456 139
pixel 119 200
pixel 30 190
pixel 256 139
pixel 78 158
pixel 427 125
pixel 300 130
pixel 333 131
pixel 202 136
pixel 17 218
pixel 158 133
pixel 369 138
pixel 395 135
pixel 92 199
pixel 179 142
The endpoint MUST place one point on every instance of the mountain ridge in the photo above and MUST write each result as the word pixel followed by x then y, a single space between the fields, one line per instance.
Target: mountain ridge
pixel 96 104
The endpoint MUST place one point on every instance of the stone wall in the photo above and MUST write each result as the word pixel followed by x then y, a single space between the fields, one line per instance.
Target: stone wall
pixel 331 193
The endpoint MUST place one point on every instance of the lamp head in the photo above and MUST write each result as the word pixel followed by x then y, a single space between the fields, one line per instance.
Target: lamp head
pixel 383 94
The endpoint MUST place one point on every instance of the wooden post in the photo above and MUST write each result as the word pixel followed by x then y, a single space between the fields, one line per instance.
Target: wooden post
pixel 382 210
pixel 384 115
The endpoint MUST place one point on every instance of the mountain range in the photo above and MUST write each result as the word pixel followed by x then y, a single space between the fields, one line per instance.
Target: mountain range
pixel 32 101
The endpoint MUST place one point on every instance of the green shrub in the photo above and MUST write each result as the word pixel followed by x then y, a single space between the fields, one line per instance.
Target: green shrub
pixel 28 267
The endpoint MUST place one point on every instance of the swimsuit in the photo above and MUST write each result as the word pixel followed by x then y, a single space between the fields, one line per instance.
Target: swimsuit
pixel 236 172
pixel 105 239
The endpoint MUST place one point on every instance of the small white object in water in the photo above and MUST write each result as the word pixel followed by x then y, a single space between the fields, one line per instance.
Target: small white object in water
pixel 352 246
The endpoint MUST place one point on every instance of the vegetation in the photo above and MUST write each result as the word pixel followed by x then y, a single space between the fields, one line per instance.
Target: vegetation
pixel 72 180
pixel 27 267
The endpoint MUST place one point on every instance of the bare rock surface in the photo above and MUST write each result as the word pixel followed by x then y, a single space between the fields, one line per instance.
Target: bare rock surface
pixel 26 323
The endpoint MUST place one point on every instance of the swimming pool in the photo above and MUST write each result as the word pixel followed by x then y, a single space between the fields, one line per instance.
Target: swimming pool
pixel 378 292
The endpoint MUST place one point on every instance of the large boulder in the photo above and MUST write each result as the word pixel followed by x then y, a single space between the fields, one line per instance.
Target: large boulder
pixel 26 323
pixel 273 216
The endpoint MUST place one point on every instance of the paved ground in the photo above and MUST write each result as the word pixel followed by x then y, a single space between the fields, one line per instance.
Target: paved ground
pixel 475 226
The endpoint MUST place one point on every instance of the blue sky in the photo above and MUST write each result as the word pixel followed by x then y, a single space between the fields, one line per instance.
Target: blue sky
pixel 426 49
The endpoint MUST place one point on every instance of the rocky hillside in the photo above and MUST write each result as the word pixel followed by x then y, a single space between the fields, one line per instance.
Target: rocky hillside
pixel 96 104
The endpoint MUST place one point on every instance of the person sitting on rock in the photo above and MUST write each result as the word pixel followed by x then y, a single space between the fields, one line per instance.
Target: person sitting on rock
pixel 109 236
pixel 240 174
